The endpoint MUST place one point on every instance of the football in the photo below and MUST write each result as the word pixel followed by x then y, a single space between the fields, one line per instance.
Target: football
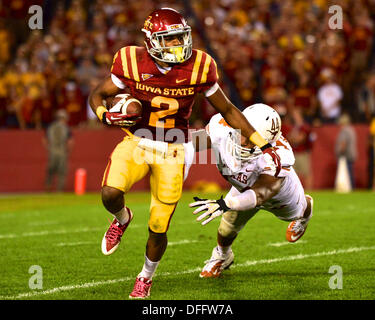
pixel 125 104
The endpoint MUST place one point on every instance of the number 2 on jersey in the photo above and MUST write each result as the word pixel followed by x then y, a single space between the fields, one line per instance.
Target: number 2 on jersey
pixel 156 116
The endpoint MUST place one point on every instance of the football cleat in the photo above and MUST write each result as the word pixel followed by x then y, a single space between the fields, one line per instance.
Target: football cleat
pixel 297 228
pixel 112 237
pixel 141 288
pixel 217 264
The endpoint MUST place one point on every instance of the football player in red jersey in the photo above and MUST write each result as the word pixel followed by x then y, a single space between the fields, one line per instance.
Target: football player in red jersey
pixel 165 76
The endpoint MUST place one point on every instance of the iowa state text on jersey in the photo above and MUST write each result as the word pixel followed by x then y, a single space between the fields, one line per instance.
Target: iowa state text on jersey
pixel 167 99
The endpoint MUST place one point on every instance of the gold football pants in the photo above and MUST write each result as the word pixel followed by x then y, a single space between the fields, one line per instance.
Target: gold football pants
pixel 130 162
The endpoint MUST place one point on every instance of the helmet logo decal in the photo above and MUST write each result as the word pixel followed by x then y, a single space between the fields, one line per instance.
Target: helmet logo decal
pixel 175 26
pixel 275 128
pixel 148 24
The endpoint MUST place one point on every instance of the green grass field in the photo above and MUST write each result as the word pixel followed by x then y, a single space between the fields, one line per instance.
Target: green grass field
pixel 62 234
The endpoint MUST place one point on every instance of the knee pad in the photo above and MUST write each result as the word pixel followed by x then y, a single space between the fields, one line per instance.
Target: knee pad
pixel 227 227
pixel 160 216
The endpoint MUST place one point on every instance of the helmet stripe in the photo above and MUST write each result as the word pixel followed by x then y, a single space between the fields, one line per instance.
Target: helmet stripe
pixel 197 64
pixel 124 61
pixel 133 59
pixel 205 69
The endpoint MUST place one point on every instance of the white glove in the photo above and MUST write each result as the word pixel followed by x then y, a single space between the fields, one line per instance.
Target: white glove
pixel 215 208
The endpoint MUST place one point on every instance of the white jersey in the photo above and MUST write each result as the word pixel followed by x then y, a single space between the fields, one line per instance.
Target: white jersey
pixel 289 203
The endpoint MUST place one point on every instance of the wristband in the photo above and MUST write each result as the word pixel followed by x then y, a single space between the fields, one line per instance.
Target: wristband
pixel 99 112
pixel 222 204
pixel 266 146
pixel 257 139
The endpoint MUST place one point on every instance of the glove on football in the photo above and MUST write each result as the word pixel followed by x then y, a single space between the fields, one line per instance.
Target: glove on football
pixel 215 208
pixel 120 119
pixel 272 158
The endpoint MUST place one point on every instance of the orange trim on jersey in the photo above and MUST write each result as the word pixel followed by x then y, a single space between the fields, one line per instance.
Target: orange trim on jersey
pixel 133 59
pixel 224 123
pixel 197 63
pixel 124 62
pixel 206 68
pixel 280 144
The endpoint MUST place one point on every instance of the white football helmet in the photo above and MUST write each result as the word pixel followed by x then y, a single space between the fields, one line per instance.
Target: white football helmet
pixel 266 121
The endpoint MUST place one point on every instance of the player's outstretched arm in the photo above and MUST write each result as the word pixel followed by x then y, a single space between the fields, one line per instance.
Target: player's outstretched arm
pixel 201 140
pixel 104 90
pixel 262 190
pixel 235 118
pixel 266 187
pixel 232 115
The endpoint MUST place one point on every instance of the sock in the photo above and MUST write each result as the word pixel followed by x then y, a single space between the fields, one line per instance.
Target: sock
pixel 222 250
pixel 149 268
pixel 122 216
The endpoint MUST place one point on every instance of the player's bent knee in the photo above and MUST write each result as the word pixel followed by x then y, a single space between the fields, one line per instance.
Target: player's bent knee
pixel 112 197
pixel 169 195
pixel 157 235
pixel 169 191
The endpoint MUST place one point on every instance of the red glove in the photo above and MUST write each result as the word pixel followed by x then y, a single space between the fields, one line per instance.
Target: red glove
pixel 271 155
pixel 120 119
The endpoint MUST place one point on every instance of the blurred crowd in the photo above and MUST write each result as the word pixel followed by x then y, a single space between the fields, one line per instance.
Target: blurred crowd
pixel 282 53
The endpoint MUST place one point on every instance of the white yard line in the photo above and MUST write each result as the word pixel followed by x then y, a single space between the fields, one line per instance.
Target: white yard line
pixel 45 223
pixel 68 244
pixel 49 232
pixel 181 242
pixel 46 232
pixel 284 243
pixel 245 264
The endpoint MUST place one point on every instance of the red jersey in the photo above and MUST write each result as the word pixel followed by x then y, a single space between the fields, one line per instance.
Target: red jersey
pixel 167 99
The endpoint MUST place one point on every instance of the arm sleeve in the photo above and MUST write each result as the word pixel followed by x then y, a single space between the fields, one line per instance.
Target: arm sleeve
pixel 117 70
pixel 242 201
pixel 206 75
pixel 117 82
pixel 211 90
pixel 212 75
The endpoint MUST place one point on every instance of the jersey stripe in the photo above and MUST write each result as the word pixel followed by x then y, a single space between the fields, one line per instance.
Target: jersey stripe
pixel 197 64
pixel 205 69
pixel 124 61
pixel 114 59
pixel 133 59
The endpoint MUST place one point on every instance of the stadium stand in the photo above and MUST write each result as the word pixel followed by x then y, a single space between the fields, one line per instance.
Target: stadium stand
pixel 282 53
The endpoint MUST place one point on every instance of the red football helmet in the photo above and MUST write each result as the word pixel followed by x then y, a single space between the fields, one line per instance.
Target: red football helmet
pixel 163 23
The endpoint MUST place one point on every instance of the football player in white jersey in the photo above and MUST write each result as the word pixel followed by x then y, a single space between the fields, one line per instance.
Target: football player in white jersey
pixel 254 185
